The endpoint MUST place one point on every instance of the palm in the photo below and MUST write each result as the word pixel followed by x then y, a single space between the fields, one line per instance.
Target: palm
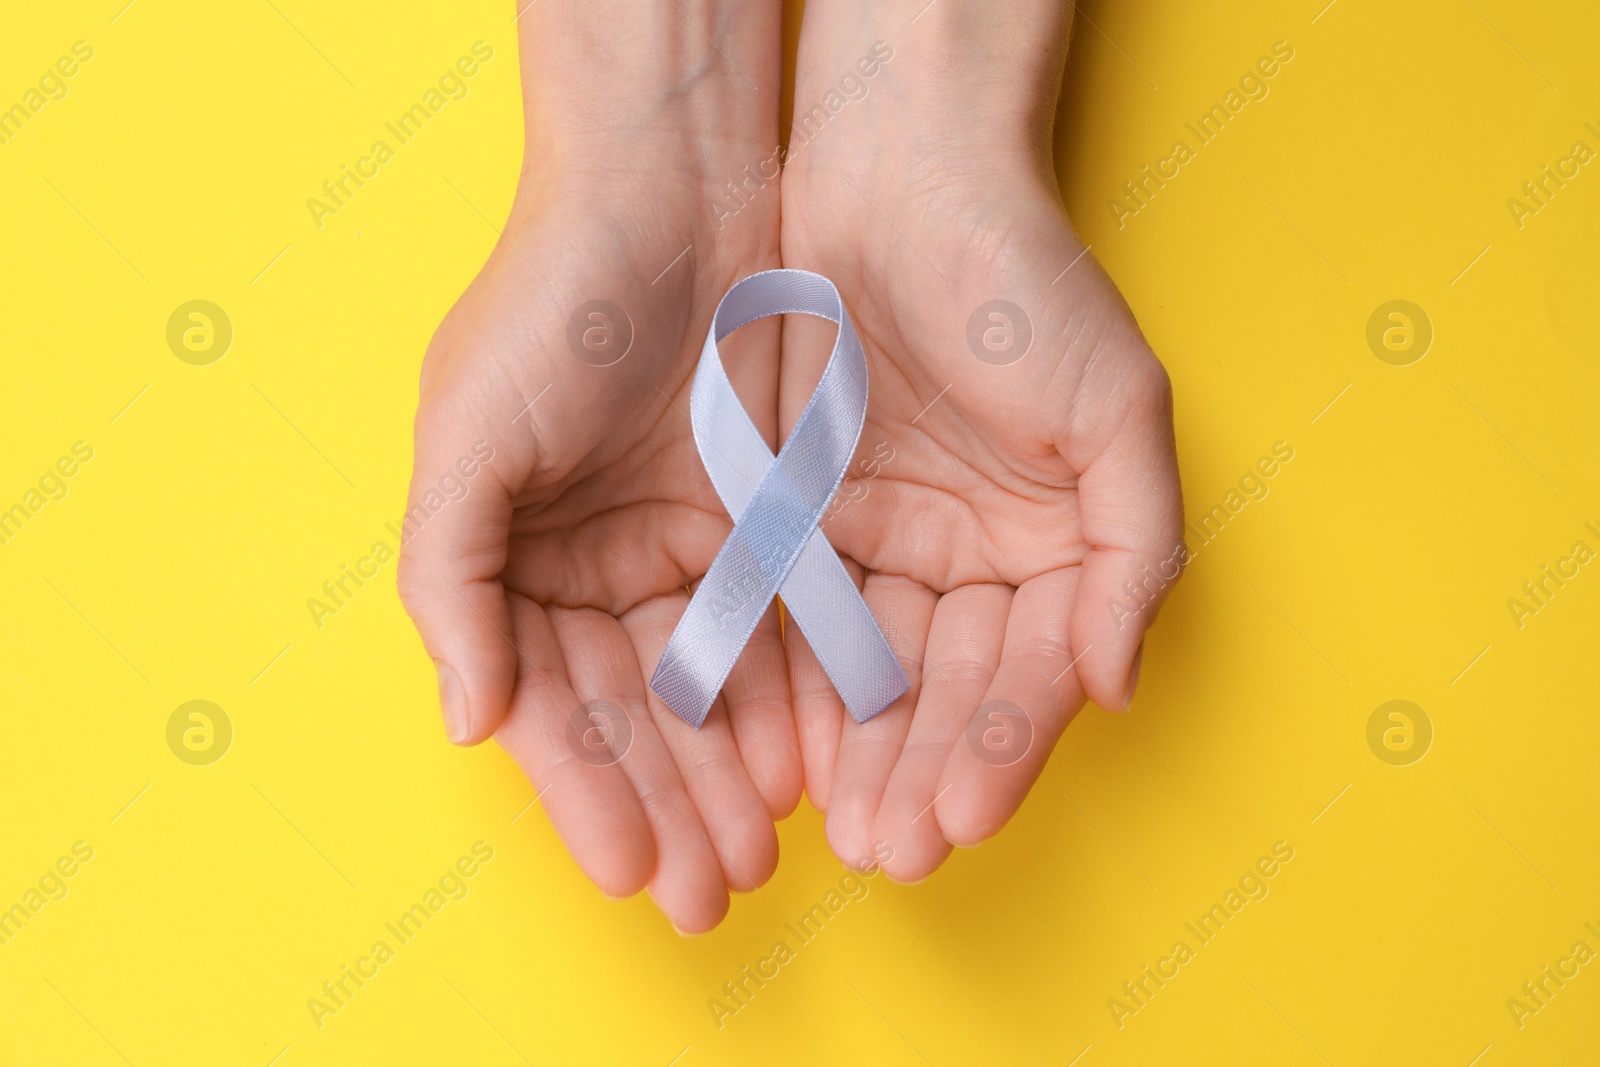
pixel 578 554
pixel 1007 473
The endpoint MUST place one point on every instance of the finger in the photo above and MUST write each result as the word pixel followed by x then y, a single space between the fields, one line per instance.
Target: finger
pixel 759 710
pixel 687 884
pixel 819 713
pixel 736 823
pixel 452 552
pixel 868 751
pixel 964 644
pixel 588 798
pixel 1008 740
pixel 1133 521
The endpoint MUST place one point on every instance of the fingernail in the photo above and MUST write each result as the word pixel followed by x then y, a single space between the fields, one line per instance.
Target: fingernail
pixel 1133 676
pixel 453 702
pixel 681 932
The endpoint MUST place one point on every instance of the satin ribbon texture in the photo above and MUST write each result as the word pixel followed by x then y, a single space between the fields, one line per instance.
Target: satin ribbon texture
pixel 776 503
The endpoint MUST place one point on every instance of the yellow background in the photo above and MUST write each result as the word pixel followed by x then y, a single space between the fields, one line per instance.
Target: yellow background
pixel 221 897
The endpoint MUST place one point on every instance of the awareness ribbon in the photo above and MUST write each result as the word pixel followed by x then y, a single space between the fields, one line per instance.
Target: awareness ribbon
pixel 776 503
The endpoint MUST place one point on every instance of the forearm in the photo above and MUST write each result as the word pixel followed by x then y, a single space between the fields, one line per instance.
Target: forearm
pixel 649 86
pixel 970 81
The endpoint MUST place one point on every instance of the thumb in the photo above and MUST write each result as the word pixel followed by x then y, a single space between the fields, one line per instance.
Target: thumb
pixel 1132 516
pixel 453 549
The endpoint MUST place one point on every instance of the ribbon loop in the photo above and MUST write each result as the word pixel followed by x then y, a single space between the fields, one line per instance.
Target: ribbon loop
pixel 776 502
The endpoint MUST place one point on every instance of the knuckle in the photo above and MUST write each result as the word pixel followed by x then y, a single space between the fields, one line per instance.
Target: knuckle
pixel 1153 384
pixel 409 583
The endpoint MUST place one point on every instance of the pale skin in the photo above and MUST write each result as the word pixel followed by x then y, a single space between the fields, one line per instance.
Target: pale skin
pixel 990 547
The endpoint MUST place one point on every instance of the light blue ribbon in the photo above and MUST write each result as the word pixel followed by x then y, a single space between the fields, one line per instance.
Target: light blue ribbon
pixel 776 504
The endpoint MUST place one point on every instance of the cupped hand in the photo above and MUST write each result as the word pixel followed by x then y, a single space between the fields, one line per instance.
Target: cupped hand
pixel 1014 516
pixel 546 593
